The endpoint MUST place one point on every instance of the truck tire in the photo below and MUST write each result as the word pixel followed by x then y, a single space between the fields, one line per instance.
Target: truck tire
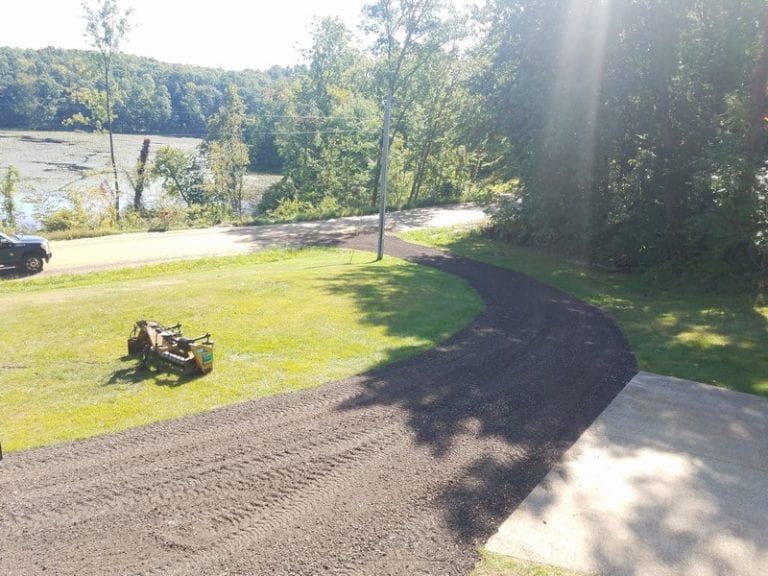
pixel 32 264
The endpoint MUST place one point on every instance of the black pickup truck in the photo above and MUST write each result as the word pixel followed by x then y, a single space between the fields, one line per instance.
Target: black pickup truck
pixel 24 252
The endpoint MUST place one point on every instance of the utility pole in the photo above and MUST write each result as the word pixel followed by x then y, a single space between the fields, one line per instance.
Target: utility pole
pixel 384 170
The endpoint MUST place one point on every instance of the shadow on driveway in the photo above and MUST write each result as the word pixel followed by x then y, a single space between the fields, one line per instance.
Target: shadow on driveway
pixel 497 404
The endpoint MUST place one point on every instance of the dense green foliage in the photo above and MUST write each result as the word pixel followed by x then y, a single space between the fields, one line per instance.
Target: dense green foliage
pixel 227 153
pixel 636 128
pixel 330 135
pixel 625 132
pixel 39 90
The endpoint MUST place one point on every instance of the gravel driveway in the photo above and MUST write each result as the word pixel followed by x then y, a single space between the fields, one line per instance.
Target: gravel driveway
pixel 104 252
pixel 402 471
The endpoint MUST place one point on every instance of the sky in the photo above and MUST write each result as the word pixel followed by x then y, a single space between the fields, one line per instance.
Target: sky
pixel 229 34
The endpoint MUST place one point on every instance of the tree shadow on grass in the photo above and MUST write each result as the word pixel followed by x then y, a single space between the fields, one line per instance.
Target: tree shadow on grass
pixel 710 340
pixel 408 301
pixel 706 337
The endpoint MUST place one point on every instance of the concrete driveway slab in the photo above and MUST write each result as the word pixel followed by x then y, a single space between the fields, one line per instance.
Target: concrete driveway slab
pixel 671 479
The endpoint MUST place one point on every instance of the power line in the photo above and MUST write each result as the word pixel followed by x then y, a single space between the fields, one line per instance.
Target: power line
pixel 302 133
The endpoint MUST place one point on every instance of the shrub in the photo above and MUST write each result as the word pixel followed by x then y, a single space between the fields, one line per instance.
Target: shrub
pixel 133 220
pixel 201 215
pixel 165 218
pixel 64 219
pixel 505 217
pixel 275 195
pixel 328 208
pixel 448 191
pixel 489 193
pixel 291 210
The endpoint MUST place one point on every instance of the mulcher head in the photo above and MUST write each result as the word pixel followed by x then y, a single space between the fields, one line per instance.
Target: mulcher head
pixel 160 346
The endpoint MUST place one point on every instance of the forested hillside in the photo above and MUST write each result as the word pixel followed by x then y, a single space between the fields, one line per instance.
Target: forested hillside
pixel 50 89
pixel 41 89
pixel 625 132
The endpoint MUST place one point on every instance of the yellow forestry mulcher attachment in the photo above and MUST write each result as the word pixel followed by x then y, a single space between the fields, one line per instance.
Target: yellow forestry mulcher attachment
pixel 160 346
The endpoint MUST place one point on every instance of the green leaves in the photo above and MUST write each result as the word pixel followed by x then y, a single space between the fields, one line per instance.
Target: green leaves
pixel 94 109
pixel 182 175
pixel 8 189
pixel 106 25
pixel 628 125
pixel 227 152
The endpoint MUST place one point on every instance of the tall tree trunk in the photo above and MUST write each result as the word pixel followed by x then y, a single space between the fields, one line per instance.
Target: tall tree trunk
pixel 108 92
pixel 422 167
pixel 438 108
pixel 757 91
pixel 667 171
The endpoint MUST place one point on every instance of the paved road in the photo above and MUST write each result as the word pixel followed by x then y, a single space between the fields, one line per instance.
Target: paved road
pixel 403 471
pixel 141 248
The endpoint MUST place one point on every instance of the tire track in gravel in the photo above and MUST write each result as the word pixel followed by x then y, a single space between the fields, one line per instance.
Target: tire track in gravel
pixel 176 435
pixel 136 486
pixel 405 470
pixel 291 492
pixel 133 480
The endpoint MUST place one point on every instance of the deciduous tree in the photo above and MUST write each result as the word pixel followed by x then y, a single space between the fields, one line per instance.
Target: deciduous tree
pixel 182 175
pixel 8 191
pixel 227 151
pixel 105 27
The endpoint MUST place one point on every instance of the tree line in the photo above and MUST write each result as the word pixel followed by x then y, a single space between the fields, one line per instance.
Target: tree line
pixel 54 89
pixel 627 132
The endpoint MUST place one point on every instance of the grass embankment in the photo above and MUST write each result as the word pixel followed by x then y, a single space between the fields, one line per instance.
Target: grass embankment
pixel 705 337
pixel 280 322
pixel 497 565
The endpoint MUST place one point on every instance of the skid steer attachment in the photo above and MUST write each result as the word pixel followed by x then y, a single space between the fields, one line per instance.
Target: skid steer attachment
pixel 159 346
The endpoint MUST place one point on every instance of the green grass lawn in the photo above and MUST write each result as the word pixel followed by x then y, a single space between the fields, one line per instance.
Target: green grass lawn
pixel 280 322
pixel 498 565
pixel 716 339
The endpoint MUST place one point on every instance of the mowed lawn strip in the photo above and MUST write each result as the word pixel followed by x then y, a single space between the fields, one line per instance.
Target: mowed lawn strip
pixel 497 565
pixel 280 322
pixel 711 338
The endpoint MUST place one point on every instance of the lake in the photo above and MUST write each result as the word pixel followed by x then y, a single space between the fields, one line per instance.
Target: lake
pixel 50 163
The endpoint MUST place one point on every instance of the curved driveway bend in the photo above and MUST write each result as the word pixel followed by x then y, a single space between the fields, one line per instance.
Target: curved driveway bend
pixel 405 470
